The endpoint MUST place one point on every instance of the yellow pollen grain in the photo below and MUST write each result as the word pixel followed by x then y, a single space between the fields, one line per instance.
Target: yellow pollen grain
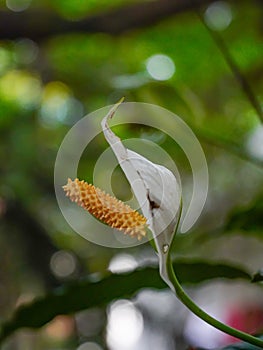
pixel 106 208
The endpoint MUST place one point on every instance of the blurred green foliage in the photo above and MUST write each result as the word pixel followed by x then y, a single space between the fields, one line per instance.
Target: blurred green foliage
pixel 87 294
pixel 48 85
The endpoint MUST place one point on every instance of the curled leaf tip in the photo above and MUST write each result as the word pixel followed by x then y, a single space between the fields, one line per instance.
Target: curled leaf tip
pixel 121 100
pixel 106 208
pixel 114 108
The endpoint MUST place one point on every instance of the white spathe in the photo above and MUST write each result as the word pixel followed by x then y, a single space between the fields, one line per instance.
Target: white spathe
pixel 156 188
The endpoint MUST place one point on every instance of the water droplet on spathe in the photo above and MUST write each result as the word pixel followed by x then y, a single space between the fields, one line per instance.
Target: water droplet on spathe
pixel 165 248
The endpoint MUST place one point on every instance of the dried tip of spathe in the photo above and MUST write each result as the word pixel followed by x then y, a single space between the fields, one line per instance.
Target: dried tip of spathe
pixel 106 208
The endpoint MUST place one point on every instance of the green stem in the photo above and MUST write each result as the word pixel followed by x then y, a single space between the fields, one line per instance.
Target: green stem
pixel 240 77
pixel 189 303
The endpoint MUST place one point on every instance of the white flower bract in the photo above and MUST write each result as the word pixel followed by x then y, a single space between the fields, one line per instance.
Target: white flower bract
pixel 156 188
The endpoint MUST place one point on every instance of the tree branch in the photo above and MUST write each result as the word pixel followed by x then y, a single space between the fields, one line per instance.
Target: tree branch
pixel 238 74
pixel 38 25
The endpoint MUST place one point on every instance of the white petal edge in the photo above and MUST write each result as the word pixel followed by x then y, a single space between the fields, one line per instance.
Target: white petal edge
pixel 157 191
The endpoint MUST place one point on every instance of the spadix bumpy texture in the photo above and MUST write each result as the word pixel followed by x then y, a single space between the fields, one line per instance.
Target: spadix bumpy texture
pixel 106 208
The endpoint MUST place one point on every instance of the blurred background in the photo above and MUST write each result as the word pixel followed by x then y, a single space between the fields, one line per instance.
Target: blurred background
pixel 60 60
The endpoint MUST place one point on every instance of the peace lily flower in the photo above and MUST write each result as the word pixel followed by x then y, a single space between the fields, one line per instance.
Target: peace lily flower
pixel 159 195
pixel 157 191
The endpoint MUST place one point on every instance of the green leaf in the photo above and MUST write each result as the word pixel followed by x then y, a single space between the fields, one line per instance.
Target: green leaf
pixel 258 277
pixel 84 294
pixel 248 219
pixel 197 272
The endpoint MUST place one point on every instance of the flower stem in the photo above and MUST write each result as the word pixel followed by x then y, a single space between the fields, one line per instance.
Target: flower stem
pixel 189 303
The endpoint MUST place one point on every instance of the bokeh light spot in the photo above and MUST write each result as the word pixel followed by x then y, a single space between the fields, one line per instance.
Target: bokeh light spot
pixel 26 51
pixel 61 328
pixel 122 263
pixel 18 5
pixel 59 106
pixel 160 67
pixel 90 322
pixel 125 325
pixel 63 264
pixel 21 87
pixel 218 15
pixel 89 346
pixel 255 142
